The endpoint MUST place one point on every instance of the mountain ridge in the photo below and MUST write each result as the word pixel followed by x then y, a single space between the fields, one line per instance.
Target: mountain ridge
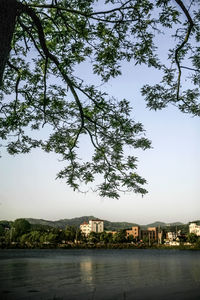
pixel 62 223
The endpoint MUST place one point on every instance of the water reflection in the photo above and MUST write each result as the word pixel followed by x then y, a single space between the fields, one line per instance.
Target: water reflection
pixel 99 274
pixel 132 271
pixel 87 270
pixel 195 272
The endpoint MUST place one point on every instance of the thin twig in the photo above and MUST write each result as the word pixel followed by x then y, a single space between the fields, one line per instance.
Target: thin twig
pixel 188 68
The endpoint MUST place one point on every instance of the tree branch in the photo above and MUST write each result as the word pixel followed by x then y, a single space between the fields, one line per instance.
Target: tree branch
pixel 16 85
pixel 191 69
pixel 191 24
pixel 8 13
pixel 87 15
pixel 45 90
pixel 48 54
pixel 26 29
pixel 74 11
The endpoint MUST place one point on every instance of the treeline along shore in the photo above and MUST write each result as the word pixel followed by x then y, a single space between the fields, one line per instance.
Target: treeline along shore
pixel 23 235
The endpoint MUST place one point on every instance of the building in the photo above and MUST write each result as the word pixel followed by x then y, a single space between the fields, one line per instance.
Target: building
pixel 151 234
pixel 173 236
pixel 160 237
pixel 135 232
pixel 174 243
pixel 92 226
pixel 97 225
pixel 111 231
pixel 85 228
pixel 194 228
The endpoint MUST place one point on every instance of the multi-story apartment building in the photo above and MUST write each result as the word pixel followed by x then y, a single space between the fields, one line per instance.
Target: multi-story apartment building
pixel 92 226
pixel 151 233
pixel 194 228
pixel 135 232
pixel 85 228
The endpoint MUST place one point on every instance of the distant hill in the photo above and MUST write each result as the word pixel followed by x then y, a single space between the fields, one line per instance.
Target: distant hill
pixel 107 224
pixel 175 224
pixel 155 224
pixel 77 221
pixel 118 225
pixel 61 223
pixel 162 224
pixel 196 221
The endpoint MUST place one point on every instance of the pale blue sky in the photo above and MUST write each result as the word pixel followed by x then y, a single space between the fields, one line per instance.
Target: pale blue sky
pixel 29 188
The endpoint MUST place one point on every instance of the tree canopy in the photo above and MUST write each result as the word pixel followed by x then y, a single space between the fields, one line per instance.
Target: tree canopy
pixel 43 42
pixel 21 226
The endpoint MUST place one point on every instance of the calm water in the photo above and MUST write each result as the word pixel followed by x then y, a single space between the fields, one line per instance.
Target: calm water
pixel 99 274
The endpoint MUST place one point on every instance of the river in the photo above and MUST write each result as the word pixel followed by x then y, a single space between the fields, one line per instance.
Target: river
pixel 99 274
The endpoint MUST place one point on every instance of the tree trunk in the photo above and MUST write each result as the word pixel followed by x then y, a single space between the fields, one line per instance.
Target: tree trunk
pixel 8 12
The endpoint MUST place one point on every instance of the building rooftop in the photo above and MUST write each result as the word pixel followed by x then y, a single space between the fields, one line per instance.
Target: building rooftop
pixel 84 223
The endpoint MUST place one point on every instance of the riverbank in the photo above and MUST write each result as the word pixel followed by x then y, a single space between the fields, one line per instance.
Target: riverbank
pixel 97 246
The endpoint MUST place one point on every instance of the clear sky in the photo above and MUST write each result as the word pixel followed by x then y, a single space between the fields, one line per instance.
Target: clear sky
pixel 28 187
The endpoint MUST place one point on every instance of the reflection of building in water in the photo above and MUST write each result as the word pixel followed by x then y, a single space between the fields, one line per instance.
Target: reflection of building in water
pixel 194 228
pixel 86 266
pixel 86 271
pixel 93 225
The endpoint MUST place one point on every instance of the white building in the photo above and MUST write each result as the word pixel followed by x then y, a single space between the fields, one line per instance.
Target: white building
pixel 174 243
pixel 194 228
pixel 93 225
pixel 85 228
pixel 172 236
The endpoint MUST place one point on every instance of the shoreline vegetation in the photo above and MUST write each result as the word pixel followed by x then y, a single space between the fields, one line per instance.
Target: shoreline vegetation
pixel 98 246
pixel 21 234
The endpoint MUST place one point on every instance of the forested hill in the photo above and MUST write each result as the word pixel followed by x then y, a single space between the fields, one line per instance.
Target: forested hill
pixel 77 221
pixel 107 224
pixel 61 223
pixel 162 224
